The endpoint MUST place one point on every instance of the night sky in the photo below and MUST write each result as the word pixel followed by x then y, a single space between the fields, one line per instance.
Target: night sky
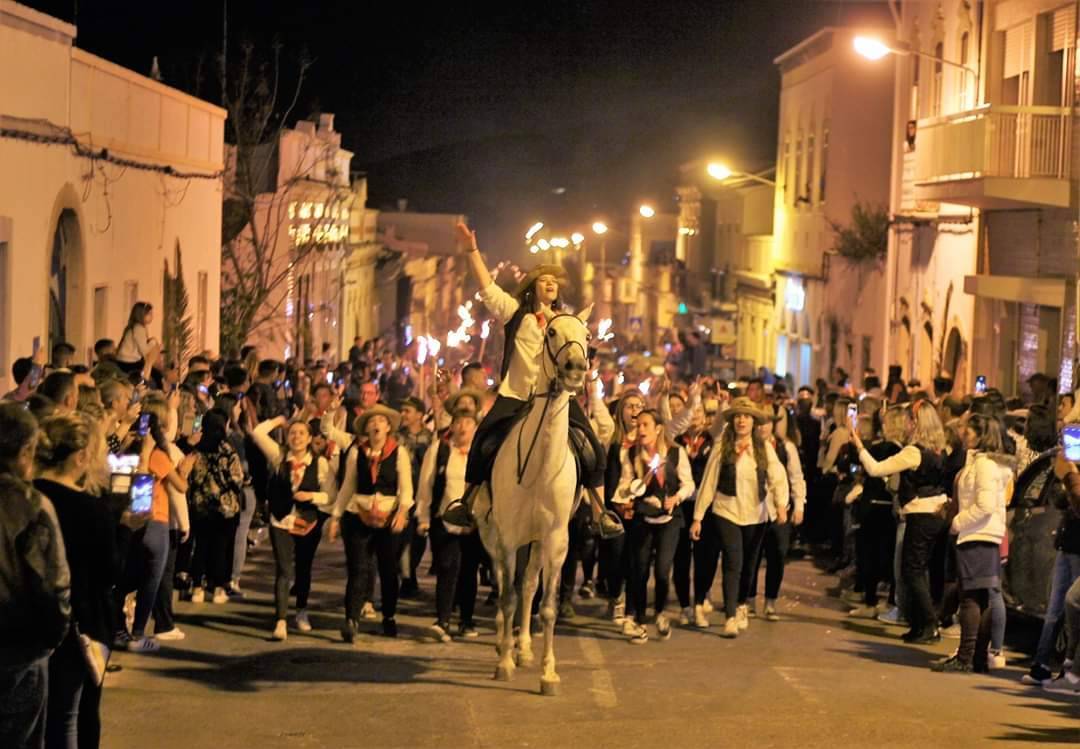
pixel 558 110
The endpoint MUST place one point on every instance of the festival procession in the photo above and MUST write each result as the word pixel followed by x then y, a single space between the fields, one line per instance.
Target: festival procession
pixel 424 422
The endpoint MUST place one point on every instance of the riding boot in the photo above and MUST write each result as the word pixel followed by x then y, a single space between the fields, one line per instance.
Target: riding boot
pixel 610 524
pixel 459 511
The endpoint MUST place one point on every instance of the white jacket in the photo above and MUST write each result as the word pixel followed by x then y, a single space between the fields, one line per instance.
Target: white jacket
pixel 982 491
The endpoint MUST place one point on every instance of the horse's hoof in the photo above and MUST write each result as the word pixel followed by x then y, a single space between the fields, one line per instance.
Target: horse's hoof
pixel 524 659
pixel 503 673
pixel 549 687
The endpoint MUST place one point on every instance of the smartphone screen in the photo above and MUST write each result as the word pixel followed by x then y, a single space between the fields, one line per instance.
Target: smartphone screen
pixel 196 424
pixel 853 414
pixel 1070 441
pixel 141 493
pixel 204 390
pixel 329 378
pixel 980 384
pixel 123 464
pixel 144 425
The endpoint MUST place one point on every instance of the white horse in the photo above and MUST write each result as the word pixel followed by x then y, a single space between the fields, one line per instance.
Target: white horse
pixel 534 486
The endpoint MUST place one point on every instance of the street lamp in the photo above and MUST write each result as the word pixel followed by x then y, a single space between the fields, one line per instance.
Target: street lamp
pixel 599 227
pixel 722 172
pixel 873 48
pixel 533 229
pixel 647 211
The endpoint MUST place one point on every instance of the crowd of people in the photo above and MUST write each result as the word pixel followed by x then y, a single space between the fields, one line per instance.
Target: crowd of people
pixel 134 481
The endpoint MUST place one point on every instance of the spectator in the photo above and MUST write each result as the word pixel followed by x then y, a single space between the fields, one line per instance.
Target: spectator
pixel 104 350
pixel 62 354
pixel 356 353
pixel 60 388
pixel 27 375
pixel 35 585
pixel 473 377
pixel 1041 392
pixel 137 350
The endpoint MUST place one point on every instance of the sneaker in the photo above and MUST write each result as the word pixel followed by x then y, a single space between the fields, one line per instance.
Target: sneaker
pixel 995 660
pixel 951 665
pixel 922 638
pixel 638 634
pixel 170 634
pixel 220 596
pixel 952 631
pixel 1037 676
pixel 439 631
pixel 630 628
pixel 302 622
pixel 864 612
pixel 771 614
pixel 618 612
pixel 731 628
pixel 198 595
pixel 389 627
pixel 468 631
pixel 587 590
pixel 853 596
pixel 234 590
pixel 281 631
pixel 707 605
pixel 751 608
pixel 701 618
pixel 686 616
pixel 368 611
pixel 663 627
pixel 892 616
pixel 142 645
pixel 1064 684
pixel 566 611
pixel 742 617
pixel 349 630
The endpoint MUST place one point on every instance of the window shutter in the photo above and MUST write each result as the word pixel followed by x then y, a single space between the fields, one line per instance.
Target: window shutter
pixel 1063 32
pixel 1018 43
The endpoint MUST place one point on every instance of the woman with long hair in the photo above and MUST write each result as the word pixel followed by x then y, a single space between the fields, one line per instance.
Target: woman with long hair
pixel 744 487
pixel 923 495
pixel 656 479
pixel 614 558
pixel 136 348
pixel 63 462
pixel 982 491
pixel 698 442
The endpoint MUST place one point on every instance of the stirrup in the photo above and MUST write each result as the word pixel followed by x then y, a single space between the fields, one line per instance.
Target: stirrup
pixel 611 525
pixel 459 511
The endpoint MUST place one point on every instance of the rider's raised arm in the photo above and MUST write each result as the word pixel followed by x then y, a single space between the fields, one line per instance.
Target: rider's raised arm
pixel 499 303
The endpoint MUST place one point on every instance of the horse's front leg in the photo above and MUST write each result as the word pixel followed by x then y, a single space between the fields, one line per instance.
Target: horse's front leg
pixel 528 593
pixel 554 554
pixel 505 566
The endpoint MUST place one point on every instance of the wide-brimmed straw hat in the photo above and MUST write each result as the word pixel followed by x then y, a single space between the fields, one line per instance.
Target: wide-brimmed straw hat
pixel 747 407
pixel 378 409
pixel 452 402
pixel 542 270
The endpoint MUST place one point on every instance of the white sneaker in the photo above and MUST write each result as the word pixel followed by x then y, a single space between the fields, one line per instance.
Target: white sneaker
pixel 863 612
pixel 618 612
pixel 198 595
pixel 707 605
pixel 731 628
pixel 663 627
pixel 638 634
pixel 701 617
pixel 629 628
pixel 281 631
pixel 892 616
pixel 368 611
pixel 220 596
pixel 170 634
pixel 751 608
pixel 1064 684
pixel 686 616
pixel 142 645
pixel 995 661
pixel 302 622
pixel 771 614
pixel 439 632
pixel 742 618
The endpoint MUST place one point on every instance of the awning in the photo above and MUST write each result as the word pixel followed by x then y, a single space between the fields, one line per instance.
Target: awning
pixel 1048 292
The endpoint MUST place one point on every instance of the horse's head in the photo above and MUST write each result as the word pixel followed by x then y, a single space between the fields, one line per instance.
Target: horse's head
pixel 566 349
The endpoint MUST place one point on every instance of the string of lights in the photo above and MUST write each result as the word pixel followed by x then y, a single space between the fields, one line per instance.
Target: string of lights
pixel 54 135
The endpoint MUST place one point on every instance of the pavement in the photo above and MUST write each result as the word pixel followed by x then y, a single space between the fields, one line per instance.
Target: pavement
pixel 814 679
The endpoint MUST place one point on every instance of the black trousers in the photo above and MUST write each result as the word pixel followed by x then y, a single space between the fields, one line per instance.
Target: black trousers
pixel 212 558
pixel 617 553
pixel 774 549
pixel 366 549
pixel 739 545
pixel 651 542
pixel 293 557
pixel 875 546
pixel 686 552
pixel 920 537
pixel 457 563
pixel 416 545
pixel 581 538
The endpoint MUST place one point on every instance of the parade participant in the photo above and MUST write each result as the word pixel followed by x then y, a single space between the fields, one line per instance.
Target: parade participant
pixel 416 438
pixel 614 558
pixel 922 495
pixel 777 540
pixel 982 491
pixel 457 550
pixel 698 442
pixel 299 483
pixel 656 479
pixel 371 511
pixel 744 486
pixel 525 316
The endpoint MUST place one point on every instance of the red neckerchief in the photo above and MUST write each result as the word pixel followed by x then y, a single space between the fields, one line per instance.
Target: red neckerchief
pixel 388 448
pixel 541 320
pixel 694 445
pixel 740 450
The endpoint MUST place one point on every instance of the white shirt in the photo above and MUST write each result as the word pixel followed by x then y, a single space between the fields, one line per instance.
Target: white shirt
pixel 349 501
pixel 520 380
pixel 455 481
pixel 746 507
pixel 907 459
pixel 133 345
pixel 686 483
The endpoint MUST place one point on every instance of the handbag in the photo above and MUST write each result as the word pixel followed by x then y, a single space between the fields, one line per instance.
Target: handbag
pixel 96 654
pixel 303 522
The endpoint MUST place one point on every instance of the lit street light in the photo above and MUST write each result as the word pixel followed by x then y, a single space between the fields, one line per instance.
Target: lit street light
pixel 533 229
pixel 577 237
pixel 647 211
pixel 873 48
pixel 870 48
pixel 718 171
pixel 722 172
pixel 599 227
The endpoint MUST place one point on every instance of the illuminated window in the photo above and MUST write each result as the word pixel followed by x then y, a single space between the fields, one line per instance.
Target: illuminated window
pixel 305 210
pixel 292 210
pixel 320 208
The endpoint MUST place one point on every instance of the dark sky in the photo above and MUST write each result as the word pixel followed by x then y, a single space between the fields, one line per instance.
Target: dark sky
pixel 487 109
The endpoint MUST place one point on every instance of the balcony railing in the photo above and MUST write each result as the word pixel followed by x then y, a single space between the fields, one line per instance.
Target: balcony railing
pixel 994 141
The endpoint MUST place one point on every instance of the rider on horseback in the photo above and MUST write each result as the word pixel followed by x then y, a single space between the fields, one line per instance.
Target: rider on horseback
pixel 525 316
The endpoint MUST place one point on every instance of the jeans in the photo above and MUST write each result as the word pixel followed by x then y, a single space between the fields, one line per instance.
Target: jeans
pixel 920 538
pixel 645 539
pixel 240 546
pixel 23 691
pixel 457 561
pixel 211 563
pixel 147 556
pixel 997 620
pixel 293 555
pixel 73 719
pixel 163 609
pixel 366 548
pixel 774 549
pixel 900 592
pixel 739 545
pixel 1066 570
pixel 1072 625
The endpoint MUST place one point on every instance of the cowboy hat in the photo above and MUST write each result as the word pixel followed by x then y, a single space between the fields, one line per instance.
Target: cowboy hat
pixel 378 410
pixel 745 406
pixel 542 270
pixel 452 402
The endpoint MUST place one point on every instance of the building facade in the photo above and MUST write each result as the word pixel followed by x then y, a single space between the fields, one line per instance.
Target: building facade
pixel 106 174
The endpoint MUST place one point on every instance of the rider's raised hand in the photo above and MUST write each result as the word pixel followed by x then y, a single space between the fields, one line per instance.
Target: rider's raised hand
pixel 465 238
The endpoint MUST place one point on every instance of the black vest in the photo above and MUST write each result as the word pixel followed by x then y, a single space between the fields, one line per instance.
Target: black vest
pixel 509 335
pixel 876 489
pixel 671 474
pixel 442 458
pixel 928 480
pixel 725 482
pixel 699 461
pixel 281 491
pixel 385 482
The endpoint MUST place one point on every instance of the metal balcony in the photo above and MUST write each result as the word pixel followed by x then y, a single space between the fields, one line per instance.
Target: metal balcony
pixel 995 157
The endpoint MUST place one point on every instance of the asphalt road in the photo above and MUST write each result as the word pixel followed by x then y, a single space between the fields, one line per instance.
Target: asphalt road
pixel 813 679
